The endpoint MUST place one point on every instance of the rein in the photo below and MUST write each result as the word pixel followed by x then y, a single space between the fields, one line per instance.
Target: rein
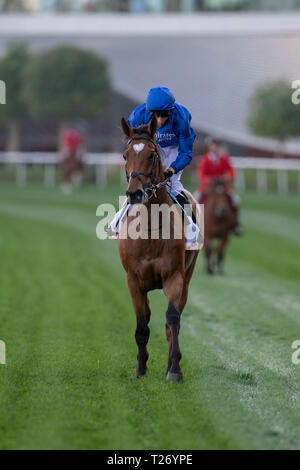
pixel 152 189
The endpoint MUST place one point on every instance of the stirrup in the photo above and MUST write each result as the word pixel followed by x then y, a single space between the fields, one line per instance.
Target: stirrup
pixel 192 245
pixel 112 235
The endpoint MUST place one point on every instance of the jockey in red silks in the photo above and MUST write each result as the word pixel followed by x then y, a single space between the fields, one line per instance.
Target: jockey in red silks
pixel 71 140
pixel 70 158
pixel 215 165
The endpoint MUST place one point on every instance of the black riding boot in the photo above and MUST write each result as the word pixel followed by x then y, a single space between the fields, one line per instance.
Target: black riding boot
pixel 183 199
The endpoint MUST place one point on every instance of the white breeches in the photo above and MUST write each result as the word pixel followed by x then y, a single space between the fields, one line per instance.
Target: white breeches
pixel 168 156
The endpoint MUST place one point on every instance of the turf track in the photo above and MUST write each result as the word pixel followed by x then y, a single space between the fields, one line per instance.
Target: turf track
pixel 68 324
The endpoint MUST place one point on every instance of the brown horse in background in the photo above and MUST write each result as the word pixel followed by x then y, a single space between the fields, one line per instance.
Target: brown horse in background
pixel 154 263
pixel 72 167
pixel 219 221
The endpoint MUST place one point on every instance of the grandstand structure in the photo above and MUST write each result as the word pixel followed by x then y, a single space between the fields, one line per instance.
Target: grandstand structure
pixel 212 63
pixel 141 6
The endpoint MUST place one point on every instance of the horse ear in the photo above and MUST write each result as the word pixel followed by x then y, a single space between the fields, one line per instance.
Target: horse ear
pixel 152 126
pixel 125 127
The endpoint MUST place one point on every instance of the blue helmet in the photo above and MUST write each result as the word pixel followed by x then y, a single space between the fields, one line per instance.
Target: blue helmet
pixel 160 98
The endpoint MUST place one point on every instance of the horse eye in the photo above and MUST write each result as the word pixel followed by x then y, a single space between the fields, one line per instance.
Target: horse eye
pixel 151 155
pixel 124 156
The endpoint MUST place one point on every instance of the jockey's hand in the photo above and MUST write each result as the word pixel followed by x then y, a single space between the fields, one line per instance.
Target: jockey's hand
pixel 169 173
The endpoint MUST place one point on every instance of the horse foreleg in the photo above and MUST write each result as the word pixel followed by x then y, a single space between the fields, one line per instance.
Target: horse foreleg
pixel 182 302
pixel 173 289
pixel 208 255
pixel 142 332
pixel 168 328
pixel 169 339
pixel 220 254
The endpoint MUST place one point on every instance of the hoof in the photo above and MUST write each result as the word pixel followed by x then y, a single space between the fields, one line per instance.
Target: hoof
pixel 174 377
pixel 140 374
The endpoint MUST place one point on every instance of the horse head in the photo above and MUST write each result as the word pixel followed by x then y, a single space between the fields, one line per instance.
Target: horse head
pixel 143 164
pixel 217 191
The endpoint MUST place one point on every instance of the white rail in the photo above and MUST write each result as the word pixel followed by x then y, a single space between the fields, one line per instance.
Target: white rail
pixel 261 166
pixel 49 160
pixel 102 161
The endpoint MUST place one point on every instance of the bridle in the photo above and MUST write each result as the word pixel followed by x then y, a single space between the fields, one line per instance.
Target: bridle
pixel 152 189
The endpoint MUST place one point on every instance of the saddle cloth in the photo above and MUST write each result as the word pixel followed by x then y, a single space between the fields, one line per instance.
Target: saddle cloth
pixel 193 235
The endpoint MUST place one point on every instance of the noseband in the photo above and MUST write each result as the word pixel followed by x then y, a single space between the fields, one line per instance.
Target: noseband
pixel 153 173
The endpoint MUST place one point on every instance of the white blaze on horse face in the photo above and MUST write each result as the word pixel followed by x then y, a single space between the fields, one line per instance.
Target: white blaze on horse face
pixel 138 147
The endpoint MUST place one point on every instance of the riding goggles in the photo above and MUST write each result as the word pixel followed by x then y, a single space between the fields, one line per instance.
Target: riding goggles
pixel 162 114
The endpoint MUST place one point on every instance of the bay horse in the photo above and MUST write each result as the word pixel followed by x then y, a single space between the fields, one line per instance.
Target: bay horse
pixel 219 221
pixel 70 158
pixel 72 167
pixel 154 263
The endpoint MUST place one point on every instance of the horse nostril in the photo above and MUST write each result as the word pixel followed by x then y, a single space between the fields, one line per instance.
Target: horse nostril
pixel 221 212
pixel 136 197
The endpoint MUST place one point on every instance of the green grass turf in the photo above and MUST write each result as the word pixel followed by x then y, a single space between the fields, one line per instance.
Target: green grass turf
pixel 68 323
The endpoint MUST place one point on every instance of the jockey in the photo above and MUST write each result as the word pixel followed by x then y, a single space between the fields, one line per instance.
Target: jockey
pixel 218 165
pixel 174 136
pixel 70 158
pixel 71 139
pixel 71 142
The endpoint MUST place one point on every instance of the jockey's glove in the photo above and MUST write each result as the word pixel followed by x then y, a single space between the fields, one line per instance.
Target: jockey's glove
pixel 168 174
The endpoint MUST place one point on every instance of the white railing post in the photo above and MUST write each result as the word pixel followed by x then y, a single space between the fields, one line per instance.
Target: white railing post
pixel 122 176
pixel 261 181
pixel 241 182
pixel 282 181
pixel 21 174
pixel 101 174
pixel 49 175
pixel 98 175
pixel 105 173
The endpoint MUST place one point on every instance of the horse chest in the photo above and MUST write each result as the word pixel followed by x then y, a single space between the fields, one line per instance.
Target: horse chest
pixel 150 270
